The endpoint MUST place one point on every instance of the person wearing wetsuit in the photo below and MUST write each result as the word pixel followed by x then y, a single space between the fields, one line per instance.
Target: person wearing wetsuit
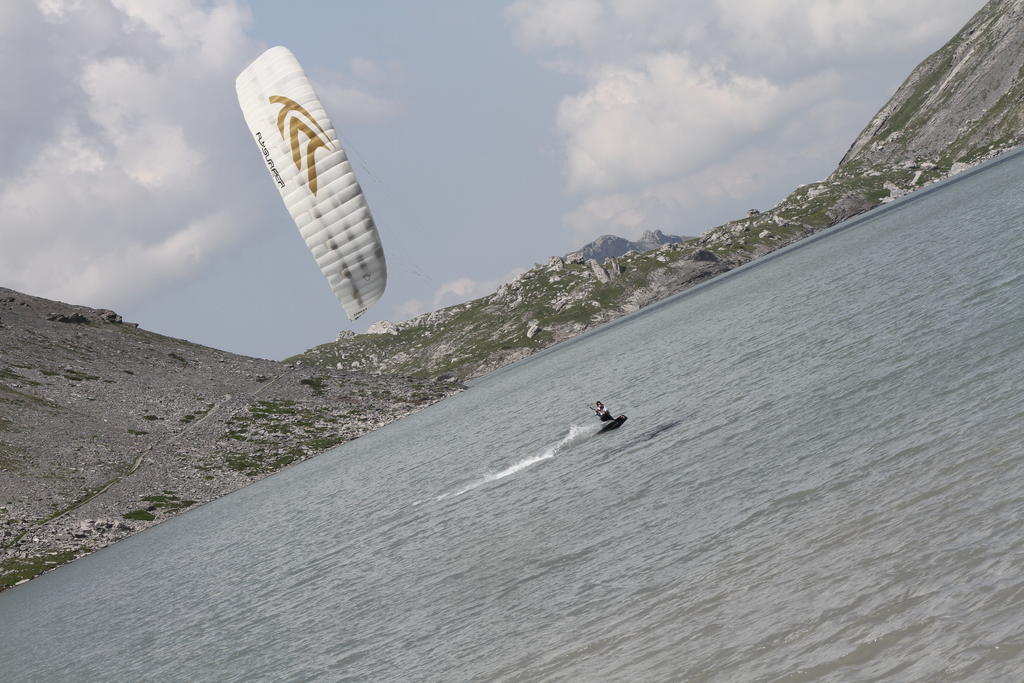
pixel 603 413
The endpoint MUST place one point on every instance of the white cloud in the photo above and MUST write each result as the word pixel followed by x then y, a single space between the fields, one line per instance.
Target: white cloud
pixel 562 23
pixel 411 309
pixel 368 71
pixel 747 31
pixel 132 169
pixel 682 205
pixel 455 292
pixel 466 288
pixel 357 95
pixel 177 256
pixel 668 116
pixel 347 103
pixel 797 30
pixel 213 36
pixel 606 29
pixel 119 185
pixel 688 104
pixel 57 10
pixel 757 176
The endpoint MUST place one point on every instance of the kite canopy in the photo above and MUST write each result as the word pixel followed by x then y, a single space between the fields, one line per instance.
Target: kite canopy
pixel 307 163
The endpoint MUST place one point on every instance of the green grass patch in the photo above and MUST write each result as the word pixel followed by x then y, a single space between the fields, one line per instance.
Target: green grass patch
pixel 137 432
pixel 167 501
pixel 283 461
pixel 325 442
pixel 248 463
pixel 316 383
pixel 76 376
pixel 901 118
pixel 178 358
pixel 283 407
pixel 140 515
pixel 8 373
pixel 11 458
pixel 15 570
pixel 196 415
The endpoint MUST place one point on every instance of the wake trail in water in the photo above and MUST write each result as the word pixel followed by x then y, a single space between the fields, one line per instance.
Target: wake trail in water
pixel 577 435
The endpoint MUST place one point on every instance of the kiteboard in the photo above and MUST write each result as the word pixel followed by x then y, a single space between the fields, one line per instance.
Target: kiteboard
pixel 613 424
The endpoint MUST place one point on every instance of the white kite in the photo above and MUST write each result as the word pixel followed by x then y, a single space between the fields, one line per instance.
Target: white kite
pixel 302 153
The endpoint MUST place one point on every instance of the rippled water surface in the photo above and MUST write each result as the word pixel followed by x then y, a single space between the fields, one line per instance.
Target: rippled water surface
pixel 820 479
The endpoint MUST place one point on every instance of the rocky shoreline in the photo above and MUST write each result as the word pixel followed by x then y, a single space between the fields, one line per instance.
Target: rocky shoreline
pixel 107 429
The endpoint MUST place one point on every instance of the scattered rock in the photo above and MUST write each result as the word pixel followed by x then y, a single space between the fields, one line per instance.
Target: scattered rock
pixel 599 272
pixel 108 316
pixel 958 167
pixel 383 327
pixel 73 318
pixel 848 207
pixel 704 255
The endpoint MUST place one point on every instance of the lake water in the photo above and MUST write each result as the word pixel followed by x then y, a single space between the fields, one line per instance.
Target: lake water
pixel 820 479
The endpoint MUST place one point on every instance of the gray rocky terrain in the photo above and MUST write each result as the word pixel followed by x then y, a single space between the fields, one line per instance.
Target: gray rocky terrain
pixel 107 429
pixel 957 105
pixel 547 304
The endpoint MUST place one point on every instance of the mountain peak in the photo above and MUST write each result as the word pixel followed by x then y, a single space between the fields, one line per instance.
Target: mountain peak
pixel 959 101
pixel 613 246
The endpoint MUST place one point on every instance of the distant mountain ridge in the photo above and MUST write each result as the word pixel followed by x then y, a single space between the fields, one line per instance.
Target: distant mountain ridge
pixel 960 107
pixel 613 246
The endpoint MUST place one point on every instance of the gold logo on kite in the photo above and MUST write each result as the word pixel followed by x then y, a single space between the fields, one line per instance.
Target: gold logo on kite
pixel 296 124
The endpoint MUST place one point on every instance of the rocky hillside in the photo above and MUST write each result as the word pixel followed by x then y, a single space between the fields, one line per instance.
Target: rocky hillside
pixel 106 429
pixel 960 107
pixel 959 104
pixel 543 306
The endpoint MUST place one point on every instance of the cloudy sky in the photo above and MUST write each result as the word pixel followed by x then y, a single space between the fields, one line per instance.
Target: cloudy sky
pixel 487 136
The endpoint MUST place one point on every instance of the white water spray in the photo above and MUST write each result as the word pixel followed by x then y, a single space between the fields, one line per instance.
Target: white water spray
pixel 577 434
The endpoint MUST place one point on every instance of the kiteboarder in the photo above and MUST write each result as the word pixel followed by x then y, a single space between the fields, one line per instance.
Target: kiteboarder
pixel 602 413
